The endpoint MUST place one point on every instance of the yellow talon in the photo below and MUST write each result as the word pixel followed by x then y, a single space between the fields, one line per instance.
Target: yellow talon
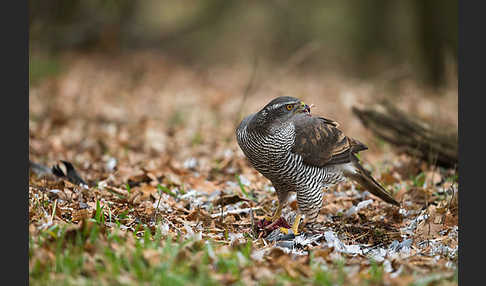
pixel 295 225
pixel 284 230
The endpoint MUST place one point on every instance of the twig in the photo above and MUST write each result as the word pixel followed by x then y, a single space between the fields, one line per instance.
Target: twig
pixel 53 210
pixel 355 239
pixel 246 92
pixel 239 211
pixel 222 214
pixel 117 191
pixel 157 208
pixel 173 225
pixel 298 57
pixel 252 220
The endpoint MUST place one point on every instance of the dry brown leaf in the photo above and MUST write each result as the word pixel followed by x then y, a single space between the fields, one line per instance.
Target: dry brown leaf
pixel 202 184
pixel 389 179
pixel 430 228
pixel 228 199
pixel 79 215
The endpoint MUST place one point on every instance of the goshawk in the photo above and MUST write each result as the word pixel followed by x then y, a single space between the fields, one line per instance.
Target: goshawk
pixel 302 153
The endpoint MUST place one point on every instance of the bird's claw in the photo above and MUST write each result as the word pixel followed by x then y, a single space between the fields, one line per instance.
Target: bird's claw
pixel 269 218
pixel 285 230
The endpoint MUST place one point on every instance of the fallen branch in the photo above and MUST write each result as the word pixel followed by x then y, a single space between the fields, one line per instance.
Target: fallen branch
pixel 417 138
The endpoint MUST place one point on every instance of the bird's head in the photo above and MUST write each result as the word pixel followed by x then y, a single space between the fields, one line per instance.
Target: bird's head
pixel 279 111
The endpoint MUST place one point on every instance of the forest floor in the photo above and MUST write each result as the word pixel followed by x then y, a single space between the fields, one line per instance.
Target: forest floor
pixel 171 199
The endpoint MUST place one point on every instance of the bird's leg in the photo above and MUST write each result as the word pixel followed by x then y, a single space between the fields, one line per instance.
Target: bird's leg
pixel 275 217
pixel 282 200
pixel 308 207
pixel 277 213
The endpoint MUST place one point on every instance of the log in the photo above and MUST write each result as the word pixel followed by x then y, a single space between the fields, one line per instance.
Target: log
pixel 425 140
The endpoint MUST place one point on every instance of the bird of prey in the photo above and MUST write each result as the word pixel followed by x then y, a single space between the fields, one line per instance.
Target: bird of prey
pixel 302 153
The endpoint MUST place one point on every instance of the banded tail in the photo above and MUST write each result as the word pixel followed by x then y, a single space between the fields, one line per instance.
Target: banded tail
pixel 364 178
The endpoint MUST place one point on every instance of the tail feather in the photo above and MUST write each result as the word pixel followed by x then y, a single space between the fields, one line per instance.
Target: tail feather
pixel 364 178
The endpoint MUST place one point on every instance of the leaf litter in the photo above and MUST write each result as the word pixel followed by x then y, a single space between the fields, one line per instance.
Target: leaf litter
pixel 123 170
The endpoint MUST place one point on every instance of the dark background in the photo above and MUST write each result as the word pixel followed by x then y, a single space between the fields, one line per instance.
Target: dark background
pixel 365 39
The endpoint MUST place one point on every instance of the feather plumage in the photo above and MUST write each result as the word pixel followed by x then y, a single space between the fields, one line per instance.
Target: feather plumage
pixel 301 153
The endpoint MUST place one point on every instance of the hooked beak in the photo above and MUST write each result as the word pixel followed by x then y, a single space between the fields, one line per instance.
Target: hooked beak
pixel 303 108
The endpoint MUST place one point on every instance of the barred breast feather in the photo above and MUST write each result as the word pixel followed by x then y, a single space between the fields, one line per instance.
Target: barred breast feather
pixel 272 156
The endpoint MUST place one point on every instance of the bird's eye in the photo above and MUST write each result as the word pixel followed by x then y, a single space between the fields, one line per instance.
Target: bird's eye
pixel 289 107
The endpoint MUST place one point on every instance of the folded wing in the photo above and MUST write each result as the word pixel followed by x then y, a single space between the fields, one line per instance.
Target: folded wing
pixel 320 143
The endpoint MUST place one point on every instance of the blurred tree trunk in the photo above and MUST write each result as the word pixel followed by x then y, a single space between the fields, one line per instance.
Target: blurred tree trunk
pixel 59 24
pixel 372 41
pixel 437 34
pixel 210 15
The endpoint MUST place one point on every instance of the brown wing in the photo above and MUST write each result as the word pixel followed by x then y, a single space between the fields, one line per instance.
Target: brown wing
pixel 319 141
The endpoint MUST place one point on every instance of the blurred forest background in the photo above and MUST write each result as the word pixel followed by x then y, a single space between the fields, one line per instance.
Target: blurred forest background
pixel 365 39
